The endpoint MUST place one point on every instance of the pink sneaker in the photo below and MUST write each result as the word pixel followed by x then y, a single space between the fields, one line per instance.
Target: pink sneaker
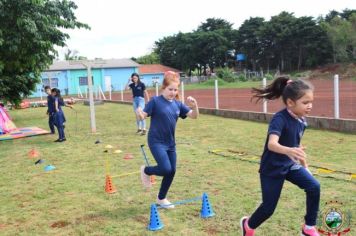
pixel 309 232
pixel 146 181
pixel 245 229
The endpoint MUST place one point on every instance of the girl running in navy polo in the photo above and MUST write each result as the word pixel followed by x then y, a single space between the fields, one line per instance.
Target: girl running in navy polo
pixel 138 92
pixel 283 157
pixel 164 111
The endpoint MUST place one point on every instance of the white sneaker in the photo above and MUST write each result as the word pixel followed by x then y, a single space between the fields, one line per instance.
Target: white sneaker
pixel 164 203
pixel 146 181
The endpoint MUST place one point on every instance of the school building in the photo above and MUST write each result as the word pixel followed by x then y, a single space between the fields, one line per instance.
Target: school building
pixel 151 74
pixel 71 77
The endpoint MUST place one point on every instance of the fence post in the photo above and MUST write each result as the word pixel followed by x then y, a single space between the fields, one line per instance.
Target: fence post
pixel 336 97
pixel 110 93
pixel 156 88
pixel 122 93
pixel 216 95
pixel 182 87
pixel 264 84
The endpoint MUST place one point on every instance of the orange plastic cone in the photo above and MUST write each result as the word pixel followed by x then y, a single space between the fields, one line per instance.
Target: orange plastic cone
pixel 109 186
pixel 128 156
pixel 33 153
pixel 153 179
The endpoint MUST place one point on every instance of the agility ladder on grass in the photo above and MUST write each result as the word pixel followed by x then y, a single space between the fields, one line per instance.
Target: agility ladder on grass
pixel 252 158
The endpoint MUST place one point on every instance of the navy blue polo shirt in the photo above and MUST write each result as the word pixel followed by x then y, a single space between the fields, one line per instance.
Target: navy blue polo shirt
pixel 50 104
pixel 137 90
pixel 164 116
pixel 290 131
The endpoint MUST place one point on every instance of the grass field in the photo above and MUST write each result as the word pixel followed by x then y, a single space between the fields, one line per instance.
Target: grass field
pixel 71 199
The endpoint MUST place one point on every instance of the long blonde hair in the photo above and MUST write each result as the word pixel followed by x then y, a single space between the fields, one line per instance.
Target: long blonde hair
pixel 170 77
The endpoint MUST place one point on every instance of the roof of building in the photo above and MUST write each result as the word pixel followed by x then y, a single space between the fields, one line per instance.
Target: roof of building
pixel 155 69
pixel 76 65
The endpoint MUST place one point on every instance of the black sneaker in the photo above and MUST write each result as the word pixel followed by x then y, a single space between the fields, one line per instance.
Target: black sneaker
pixel 139 131
pixel 58 140
pixel 143 132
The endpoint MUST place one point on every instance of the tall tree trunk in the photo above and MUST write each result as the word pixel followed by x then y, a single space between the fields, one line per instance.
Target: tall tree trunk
pixel 300 58
pixel 253 65
pixel 282 61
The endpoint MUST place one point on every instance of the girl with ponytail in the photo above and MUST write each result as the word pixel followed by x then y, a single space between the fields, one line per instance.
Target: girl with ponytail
pixel 284 157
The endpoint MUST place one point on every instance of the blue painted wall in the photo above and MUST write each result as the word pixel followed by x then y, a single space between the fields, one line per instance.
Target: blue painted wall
pixel 119 77
pixel 62 82
pixel 149 79
pixel 68 80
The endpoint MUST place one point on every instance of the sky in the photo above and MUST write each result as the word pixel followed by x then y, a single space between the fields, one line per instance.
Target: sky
pixel 129 28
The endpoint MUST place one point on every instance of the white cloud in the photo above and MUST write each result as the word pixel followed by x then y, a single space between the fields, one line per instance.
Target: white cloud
pixel 125 28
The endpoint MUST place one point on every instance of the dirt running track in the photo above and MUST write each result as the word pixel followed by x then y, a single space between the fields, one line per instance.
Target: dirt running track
pixel 239 99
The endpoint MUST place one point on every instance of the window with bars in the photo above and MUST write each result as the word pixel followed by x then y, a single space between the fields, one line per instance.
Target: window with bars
pixel 45 82
pixel 84 81
pixel 52 82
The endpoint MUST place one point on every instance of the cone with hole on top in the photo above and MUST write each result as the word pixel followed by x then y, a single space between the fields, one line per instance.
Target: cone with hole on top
pixel 33 153
pixel 109 186
pixel 155 222
pixel 206 208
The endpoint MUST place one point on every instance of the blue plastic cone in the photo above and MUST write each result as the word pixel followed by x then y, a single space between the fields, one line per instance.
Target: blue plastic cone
pixel 155 221
pixel 206 209
pixel 49 168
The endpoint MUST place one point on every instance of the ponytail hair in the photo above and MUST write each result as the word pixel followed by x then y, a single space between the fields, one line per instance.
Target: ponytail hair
pixel 170 77
pixel 283 87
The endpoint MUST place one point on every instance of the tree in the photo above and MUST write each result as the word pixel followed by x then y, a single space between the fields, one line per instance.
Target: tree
pixel 331 15
pixel 213 24
pixel 249 40
pixel 347 13
pixel 152 58
pixel 29 30
pixel 311 43
pixel 342 35
pixel 71 55
pixel 166 50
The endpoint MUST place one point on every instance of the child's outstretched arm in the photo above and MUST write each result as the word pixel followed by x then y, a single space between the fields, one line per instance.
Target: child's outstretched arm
pixel 297 154
pixel 192 103
pixel 128 84
pixel 141 114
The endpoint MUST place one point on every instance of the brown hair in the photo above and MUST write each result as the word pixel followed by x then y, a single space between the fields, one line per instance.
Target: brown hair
pixel 283 87
pixel 170 77
pixel 138 78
